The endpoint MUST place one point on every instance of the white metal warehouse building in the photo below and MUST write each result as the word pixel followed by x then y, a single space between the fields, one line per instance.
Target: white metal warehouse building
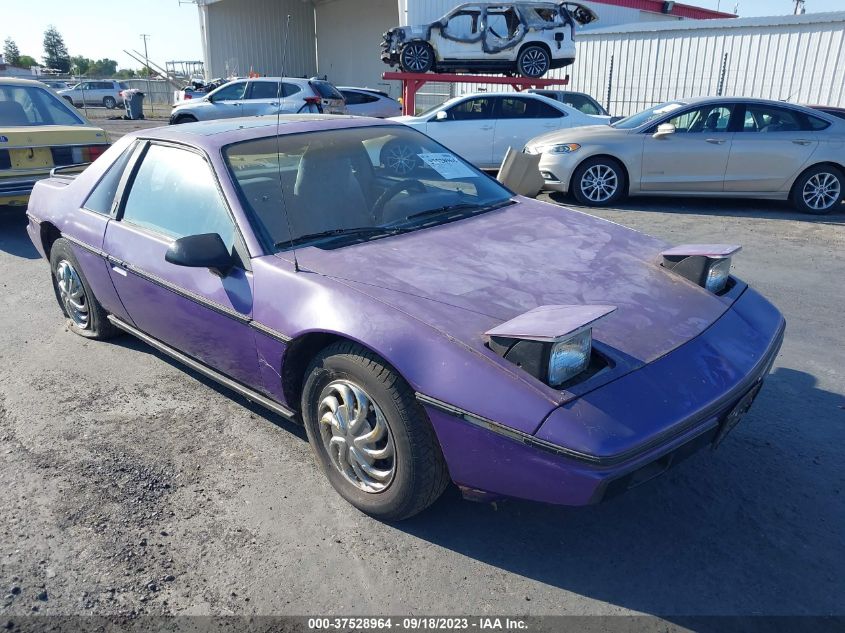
pixel 636 55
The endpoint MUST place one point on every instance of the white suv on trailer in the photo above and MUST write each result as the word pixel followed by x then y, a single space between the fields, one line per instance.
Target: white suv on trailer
pixel 525 38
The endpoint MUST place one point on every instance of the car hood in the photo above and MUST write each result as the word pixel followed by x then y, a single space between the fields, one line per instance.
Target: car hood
pixel 583 134
pixel 468 276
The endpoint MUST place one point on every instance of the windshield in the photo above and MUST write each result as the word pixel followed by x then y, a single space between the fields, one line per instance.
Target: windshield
pixel 641 118
pixel 354 184
pixel 27 106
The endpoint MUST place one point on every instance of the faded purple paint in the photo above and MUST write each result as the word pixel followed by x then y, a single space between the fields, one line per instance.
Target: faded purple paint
pixel 703 250
pixel 549 323
pixel 424 301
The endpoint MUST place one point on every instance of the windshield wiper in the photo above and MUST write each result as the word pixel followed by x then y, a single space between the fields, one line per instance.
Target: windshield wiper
pixel 358 230
pixel 460 206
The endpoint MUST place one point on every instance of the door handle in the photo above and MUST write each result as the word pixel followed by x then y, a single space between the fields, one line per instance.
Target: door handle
pixel 119 270
pixel 487 127
pixel 802 142
pixel 716 141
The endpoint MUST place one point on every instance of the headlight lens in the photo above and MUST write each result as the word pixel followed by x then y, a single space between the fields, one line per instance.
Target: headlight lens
pixel 566 148
pixel 570 357
pixel 717 275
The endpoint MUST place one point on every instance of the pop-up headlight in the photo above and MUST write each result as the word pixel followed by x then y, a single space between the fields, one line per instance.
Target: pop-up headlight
pixel 708 265
pixel 552 343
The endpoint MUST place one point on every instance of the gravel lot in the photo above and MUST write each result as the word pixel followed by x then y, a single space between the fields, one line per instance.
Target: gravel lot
pixel 132 485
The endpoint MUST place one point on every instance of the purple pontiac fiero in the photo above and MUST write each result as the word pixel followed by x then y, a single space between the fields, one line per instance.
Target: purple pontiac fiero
pixel 424 328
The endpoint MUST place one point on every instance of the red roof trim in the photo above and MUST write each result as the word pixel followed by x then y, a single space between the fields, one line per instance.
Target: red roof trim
pixel 680 10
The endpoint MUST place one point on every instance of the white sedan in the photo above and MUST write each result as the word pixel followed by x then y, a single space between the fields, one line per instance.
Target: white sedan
pixel 481 127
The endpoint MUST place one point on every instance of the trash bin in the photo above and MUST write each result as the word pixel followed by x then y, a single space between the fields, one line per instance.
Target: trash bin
pixel 133 100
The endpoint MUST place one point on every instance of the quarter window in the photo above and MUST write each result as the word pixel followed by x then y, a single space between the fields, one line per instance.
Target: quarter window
pixel 175 193
pixel 102 198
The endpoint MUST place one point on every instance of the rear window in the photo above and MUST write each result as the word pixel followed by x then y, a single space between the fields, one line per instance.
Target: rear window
pixel 123 85
pixel 25 106
pixel 326 90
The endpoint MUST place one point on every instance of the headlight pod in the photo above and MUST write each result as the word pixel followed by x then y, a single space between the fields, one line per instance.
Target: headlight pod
pixel 708 265
pixel 552 343
pixel 565 148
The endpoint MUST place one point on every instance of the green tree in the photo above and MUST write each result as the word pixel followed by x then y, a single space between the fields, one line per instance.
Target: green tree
pixel 103 68
pixel 80 64
pixel 27 61
pixel 11 52
pixel 126 73
pixel 55 51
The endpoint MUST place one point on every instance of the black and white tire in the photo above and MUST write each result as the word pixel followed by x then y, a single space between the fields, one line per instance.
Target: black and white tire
pixel 416 57
pixel 533 61
pixel 599 182
pixel 85 316
pixel 819 190
pixel 110 102
pixel 369 434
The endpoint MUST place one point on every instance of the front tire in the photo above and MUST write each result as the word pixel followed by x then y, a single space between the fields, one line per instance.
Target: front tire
pixel 110 102
pixel 599 182
pixel 369 434
pixel 416 57
pixel 85 315
pixel 533 61
pixel 819 190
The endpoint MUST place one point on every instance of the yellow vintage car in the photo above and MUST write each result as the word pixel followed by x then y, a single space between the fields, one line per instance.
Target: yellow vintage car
pixel 40 131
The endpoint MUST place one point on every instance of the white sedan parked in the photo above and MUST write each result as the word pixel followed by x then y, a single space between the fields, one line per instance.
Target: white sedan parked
pixel 481 127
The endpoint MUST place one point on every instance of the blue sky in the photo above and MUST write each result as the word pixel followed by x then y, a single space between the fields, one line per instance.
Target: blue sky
pixel 103 28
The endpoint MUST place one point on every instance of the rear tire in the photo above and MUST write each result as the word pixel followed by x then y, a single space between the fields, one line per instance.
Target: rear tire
pixel 416 57
pixel 369 434
pixel 533 61
pixel 110 102
pixel 819 190
pixel 599 182
pixel 85 315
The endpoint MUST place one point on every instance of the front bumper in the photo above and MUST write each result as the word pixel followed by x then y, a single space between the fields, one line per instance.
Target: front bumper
pixel 683 399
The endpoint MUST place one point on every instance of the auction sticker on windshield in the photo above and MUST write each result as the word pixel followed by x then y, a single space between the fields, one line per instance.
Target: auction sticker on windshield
pixel 447 165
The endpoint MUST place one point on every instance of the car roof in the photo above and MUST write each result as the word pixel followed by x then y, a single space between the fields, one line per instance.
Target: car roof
pixel 212 135
pixel 16 81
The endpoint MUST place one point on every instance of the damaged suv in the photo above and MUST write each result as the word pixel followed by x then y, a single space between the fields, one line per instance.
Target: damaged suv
pixel 525 38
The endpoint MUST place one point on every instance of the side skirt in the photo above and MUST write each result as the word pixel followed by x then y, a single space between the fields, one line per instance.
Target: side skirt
pixel 206 371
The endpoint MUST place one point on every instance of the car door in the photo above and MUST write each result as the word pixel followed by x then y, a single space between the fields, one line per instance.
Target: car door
pixel 460 38
pixel 520 119
pixel 770 147
pixel 468 129
pixel 174 193
pixel 293 98
pixel 694 157
pixel 262 98
pixel 227 102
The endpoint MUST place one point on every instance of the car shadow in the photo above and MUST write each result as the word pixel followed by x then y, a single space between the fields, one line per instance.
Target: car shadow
pixel 13 236
pixel 730 532
pixel 739 208
pixel 129 342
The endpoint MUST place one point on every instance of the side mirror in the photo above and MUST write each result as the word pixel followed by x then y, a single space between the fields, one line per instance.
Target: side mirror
pixel 441 116
pixel 664 130
pixel 201 251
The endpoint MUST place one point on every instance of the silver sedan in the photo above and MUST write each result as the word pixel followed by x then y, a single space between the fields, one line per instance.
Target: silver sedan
pixel 715 146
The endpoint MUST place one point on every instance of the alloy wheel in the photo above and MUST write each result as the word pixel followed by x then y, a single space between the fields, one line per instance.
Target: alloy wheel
pixel 356 436
pixel 401 159
pixel 416 57
pixel 535 63
pixel 599 183
pixel 72 294
pixel 821 191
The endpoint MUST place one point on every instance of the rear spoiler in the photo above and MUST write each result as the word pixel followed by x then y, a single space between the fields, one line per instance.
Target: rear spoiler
pixel 72 171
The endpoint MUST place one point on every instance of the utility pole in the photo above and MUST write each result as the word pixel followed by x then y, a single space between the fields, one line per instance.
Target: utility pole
pixel 799 7
pixel 144 37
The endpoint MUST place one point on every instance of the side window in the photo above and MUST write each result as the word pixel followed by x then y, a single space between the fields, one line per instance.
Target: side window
pixel 472 110
pixel 708 119
pixel 768 119
pixel 105 85
pixel 817 124
pixel 174 193
pixel 101 199
pixel 288 90
pixel 352 98
pixel 463 25
pixel 581 103
pixel 232 92
pixel 263 90
pixel 502 23
pixel 517 108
